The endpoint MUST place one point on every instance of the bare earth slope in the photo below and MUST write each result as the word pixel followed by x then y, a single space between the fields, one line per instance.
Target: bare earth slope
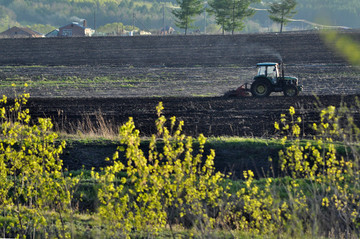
pixel 178 50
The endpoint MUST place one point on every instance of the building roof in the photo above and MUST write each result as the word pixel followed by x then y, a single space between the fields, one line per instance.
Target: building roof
pixel 75 29
pixel 21 31
pixel 53 33
pixel 73 24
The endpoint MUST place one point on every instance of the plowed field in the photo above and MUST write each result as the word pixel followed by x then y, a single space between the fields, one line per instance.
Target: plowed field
pixel 70 95
pixel 212 116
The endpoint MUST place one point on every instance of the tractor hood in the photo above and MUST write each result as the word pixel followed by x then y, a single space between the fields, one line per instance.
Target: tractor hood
pixel 290 78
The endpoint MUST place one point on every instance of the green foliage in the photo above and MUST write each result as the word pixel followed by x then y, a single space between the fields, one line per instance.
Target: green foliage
pixel 60 13
pixel 31 175
pixel 281 11
pixel 7 18
pixel 343 45
pixel 332 182
pixel 168 186
pixel 148 14
pixel 115 28
pixel 41 28
pixel 352 5
pixel 219 8
pixel 230 14
pixel 188 10
pixel 319 191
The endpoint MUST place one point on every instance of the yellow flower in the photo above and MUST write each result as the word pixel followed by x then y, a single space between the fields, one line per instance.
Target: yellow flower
pixel 276 125
pixel 292 110
pixel 325 202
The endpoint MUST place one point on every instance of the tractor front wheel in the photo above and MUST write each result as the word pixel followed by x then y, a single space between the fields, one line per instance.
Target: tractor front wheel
pixel 261 88
pixel 291 90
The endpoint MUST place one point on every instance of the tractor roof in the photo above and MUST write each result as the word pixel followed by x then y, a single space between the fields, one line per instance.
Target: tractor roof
pixel 267 64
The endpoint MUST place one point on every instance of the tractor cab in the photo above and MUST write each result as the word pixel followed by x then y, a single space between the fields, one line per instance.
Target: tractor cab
pixel 268 70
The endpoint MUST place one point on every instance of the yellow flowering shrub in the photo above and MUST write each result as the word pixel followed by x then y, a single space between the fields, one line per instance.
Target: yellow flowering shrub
pixel 170 184
pixel 32 182
pixel 330 192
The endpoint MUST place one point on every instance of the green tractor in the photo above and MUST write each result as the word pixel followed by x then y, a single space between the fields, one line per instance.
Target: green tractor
pixel 269 79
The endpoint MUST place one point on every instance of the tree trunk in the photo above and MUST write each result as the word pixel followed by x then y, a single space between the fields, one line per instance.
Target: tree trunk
pixel 233 19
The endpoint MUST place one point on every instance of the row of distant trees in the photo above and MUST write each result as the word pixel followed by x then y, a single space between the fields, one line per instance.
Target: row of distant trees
pixel 230 14
pixel 152 15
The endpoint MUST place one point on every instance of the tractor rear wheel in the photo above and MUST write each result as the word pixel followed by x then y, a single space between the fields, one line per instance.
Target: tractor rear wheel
pixel 261 88
pixel 291 90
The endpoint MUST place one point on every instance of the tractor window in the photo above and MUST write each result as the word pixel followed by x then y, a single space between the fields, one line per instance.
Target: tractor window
pixel 272 72
pixel 262 71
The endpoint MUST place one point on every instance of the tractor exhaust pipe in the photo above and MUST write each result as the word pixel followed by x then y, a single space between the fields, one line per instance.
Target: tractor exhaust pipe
pixel 282 69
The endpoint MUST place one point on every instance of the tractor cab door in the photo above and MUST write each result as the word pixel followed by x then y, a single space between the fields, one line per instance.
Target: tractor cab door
pixel 273 74
pixel 262 71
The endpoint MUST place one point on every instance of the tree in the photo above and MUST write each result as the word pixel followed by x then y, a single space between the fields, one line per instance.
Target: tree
pixel 219 8
pixel 35 193
pixel 167 184
pixel 186 13
pixel 281 12
pixel 239 11
pixel 115 28
pixel 44 29
pixel 230 14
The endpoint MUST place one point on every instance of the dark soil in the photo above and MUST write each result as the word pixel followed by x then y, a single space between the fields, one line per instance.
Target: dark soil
pixel 211 116
pixel 125 82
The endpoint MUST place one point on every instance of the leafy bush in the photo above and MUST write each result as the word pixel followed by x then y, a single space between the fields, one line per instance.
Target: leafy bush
pixel 323 187
pixel 35 195
pixel 165 187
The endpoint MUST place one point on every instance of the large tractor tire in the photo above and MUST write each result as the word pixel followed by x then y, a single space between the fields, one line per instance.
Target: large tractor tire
pixel 291 91
pixel 261 88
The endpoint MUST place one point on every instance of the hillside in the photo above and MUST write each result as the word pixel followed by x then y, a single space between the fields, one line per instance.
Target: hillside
pixel 150 15
pixel 205 50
